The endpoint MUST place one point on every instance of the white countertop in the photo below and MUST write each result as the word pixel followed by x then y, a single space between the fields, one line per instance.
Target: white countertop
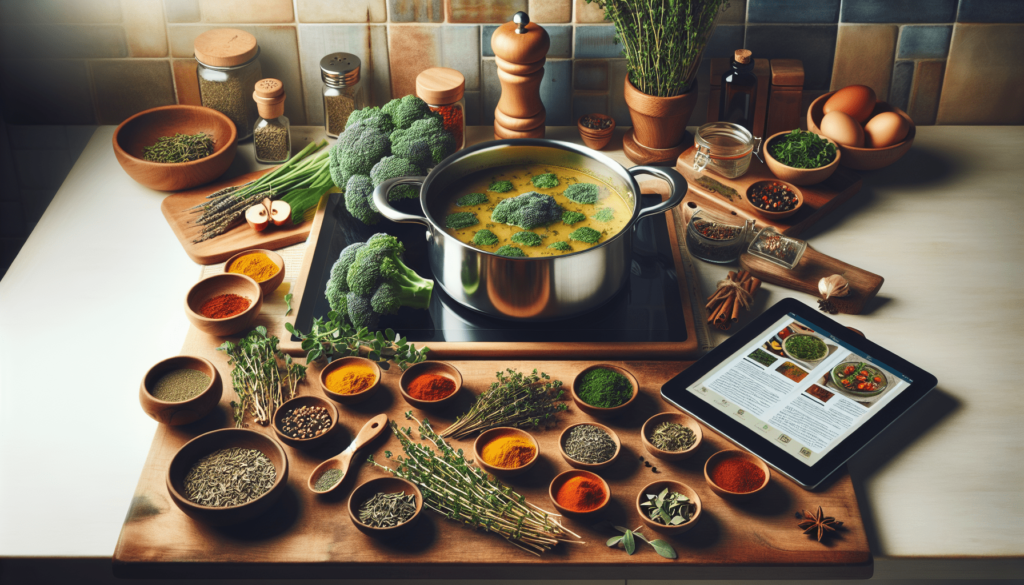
pixel 94 298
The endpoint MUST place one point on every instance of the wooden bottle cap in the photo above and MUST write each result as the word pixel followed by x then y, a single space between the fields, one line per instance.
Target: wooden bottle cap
pixel 225 47
pixel 440 86
pixel 743 56
pixel 520 41
pixel 269 96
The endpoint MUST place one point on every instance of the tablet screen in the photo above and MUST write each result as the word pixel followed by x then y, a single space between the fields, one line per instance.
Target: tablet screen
pixel 800 388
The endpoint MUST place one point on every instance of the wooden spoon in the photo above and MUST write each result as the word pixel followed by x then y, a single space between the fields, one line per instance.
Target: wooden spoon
pixel 370 431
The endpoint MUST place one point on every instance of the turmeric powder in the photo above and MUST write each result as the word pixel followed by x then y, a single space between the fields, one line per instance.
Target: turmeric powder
pixel 508 452
pixel 256 266
pixel 351 379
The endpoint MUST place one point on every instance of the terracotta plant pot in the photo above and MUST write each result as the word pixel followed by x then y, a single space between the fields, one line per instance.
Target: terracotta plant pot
pixel 659 122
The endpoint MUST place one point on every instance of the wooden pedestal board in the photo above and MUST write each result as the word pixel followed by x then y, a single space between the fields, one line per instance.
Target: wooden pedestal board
pixel 814 266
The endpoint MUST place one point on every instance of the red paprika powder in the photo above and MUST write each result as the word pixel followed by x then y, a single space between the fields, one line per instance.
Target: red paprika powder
pixel 580 494
pixel 430 387
pixel 737 475
pixel 451 116
pixel 224 306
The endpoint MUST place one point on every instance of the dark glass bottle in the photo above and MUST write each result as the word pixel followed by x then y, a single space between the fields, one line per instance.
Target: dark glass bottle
pixel 739 91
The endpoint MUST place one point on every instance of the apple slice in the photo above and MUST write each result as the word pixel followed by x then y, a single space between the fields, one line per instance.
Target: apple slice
pixel 257 217
pixel 280 213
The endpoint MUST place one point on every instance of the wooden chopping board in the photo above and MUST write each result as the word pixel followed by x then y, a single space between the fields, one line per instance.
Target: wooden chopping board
pixel 814 266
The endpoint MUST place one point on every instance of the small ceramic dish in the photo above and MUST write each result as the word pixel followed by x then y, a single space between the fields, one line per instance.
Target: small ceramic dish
pixel 589 466
pixel 384 485
pixel 656 488
pixel 297 402
pixel 718 458
pixel 269 285
pixel 349 398
pixel 774 214
pixel 561 478
pixel 596 139
pixel 785 348
pixel 492 434
pixel 205 444
pixel 677 417
pixel 597 411
pixel 864 159
pixel 220 284
pixel 430 368
pixel 186 411
pixel 799 176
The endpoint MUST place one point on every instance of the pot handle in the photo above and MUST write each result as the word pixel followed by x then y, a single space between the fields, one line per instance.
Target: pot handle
pixel 677 188
pixel 380 199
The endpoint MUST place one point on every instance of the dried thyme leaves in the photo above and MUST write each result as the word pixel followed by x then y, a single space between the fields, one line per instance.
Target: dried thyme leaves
pixel 229 477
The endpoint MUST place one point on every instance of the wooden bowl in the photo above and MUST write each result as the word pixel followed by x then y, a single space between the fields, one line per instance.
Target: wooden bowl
pixel 387 485
pixel 673 486
pixel 436 368
pixel 207 443
pixel 186 411
pixel 596 411
pixel 489 435
pixel 269 285
pixel 220 284
pixel 296 402
pixel 677 417
pixel 596 139
pixel 721 456
pixel 561 478
pixel 864 159
pixel 799 176
pixel 143 129
pixel 774 214
pixel 589 466
pixel 349 398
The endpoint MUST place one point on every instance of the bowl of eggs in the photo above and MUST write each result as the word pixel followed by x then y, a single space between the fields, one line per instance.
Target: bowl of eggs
pixel 871 134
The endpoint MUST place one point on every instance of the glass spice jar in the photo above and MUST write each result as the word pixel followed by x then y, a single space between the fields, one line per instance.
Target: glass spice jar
pixel 228 65
pixel 725 148
pixel 777 248
pixel 712 238
pixel 271 135
pixel 444 91
pixel 343 94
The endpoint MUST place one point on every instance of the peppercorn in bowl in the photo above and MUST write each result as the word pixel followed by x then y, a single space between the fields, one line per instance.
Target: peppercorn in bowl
pixel 224 304
pixel 305 422
pixel 773 199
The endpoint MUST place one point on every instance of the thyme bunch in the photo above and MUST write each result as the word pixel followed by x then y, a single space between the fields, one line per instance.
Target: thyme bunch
pixel 263 376
pixel 336 337
pixel 515 400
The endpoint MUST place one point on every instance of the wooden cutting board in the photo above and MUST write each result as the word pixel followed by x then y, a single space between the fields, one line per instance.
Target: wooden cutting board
pixel 237 239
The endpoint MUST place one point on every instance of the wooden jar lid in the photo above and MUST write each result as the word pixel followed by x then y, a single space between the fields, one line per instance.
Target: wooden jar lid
pixel 525 47
pixel 225 47
pixel 743 56
pixel 440 86
pixel 269 96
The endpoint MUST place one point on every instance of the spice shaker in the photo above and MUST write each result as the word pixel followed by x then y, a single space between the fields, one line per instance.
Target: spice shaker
pixel 272 135
pixel 444 91
pixel 228 65
pixel 343 94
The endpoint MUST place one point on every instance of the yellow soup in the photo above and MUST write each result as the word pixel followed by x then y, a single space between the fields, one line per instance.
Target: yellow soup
pixel 608 215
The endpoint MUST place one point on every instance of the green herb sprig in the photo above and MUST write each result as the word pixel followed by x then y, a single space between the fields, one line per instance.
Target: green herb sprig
pixel 515 400
pixel 803 150
pixel 336 337
pixel 263 376
pixel 669 508
pixel 628 541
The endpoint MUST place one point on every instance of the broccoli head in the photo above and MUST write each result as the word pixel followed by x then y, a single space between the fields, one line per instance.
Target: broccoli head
pixel 356 151
pixel 526 239
pixel 527 211
pixel 585 193
pixel 460 220
pixel 510 251
pixel 560 246
pixel 605 215
pixel 359 199
pixel 404 111
pixel 337 284
pixel 379 283
pixel 360 311
pixel 391 167
pixel 373 118
pixel 425 142
pixel 485 238
pixel 545 181
pixel 571 217
pixel 471 199
pixel 500 186
pixel 585 235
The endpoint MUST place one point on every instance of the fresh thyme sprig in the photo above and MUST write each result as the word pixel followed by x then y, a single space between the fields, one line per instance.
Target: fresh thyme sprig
pixel 515 400
pixel 262 375
pixel 336 337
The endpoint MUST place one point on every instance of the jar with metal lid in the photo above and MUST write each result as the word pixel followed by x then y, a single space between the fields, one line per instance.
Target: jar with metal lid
pixel 717 239
pixel 272 135
pixel 444 91
pixel 229 67
pixel 343 94
pixel 725 148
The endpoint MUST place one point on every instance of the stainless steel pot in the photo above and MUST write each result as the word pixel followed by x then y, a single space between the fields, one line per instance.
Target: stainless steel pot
pixel 545 288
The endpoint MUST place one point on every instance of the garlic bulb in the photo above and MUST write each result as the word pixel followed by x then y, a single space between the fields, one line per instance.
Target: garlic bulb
pixel 833 286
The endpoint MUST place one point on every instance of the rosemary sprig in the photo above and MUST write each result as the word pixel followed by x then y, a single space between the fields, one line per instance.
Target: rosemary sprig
pixel 263 376
pixel 515 400
pixel 336 337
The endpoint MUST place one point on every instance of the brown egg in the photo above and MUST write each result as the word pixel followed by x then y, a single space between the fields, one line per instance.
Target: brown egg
pixel 885 129
pixel 843 129
pixel 856 101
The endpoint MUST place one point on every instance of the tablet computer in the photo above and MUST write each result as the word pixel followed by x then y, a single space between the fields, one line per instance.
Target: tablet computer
pixel 799 390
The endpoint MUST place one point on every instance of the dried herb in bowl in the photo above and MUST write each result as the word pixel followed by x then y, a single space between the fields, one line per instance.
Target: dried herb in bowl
pixel 803 150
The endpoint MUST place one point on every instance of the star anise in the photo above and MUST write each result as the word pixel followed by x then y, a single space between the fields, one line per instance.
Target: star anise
pixel 827 306
pixel 820 523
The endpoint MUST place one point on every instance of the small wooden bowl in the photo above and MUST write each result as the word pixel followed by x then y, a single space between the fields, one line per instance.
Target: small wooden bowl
pixel 596 139
pixel 186 411
pixel 269 285
pixel 677 417
pixel 561 478
pixel 143 129
pixel 774 214
pixel 489 435
pixel 296 402
pixel 596 411
pixel 349 398
pixel 589 466
pixel 721 456
pixel 864 159
pixel 799 176
pixel 387 485
pixel 220 284
pixel 673 486
pixel 205 444
pixel 436 368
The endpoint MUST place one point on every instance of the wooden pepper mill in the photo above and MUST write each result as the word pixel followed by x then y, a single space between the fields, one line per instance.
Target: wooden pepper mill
pixel 520 49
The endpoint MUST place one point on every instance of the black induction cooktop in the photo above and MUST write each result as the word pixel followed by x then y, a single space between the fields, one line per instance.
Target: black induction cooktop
pixel 647 309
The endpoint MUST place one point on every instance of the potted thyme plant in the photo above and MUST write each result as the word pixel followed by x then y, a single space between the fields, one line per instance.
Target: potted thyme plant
pixel 663 41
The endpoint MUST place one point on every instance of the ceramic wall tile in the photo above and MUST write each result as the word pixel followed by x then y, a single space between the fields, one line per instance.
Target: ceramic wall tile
pixel 484 10
pixel 550 10
pixel 724 41
pixel 996 11
pixel 416 10
pixel 587 103
pixel 791 11
pixel 42 169
pixel 864 56
pixel 561 41
pixel 556 92
pixel 588 12
pixel 69 11
pixel 902 81
pixel 486 32
pixel 735 13
pixel 491 91
pixel 898 11
pixel 32 137
pixel 700 109
pixel 616 95
pixel 814 44
pixel 369 43
pixel 35 41
pixel 924 41
pixel 342 10
pixel 595 42
pixel 36 96
pixel 460 50
pixel 182 10
pixel 808 97
pixel 145 27
pixel 924 97
pixel 186 85
pixel 251 11
pixel 150 80
pixel 381 63
pixel 473 107
pixel 412 48
pixel 981 85
pixel 590 74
